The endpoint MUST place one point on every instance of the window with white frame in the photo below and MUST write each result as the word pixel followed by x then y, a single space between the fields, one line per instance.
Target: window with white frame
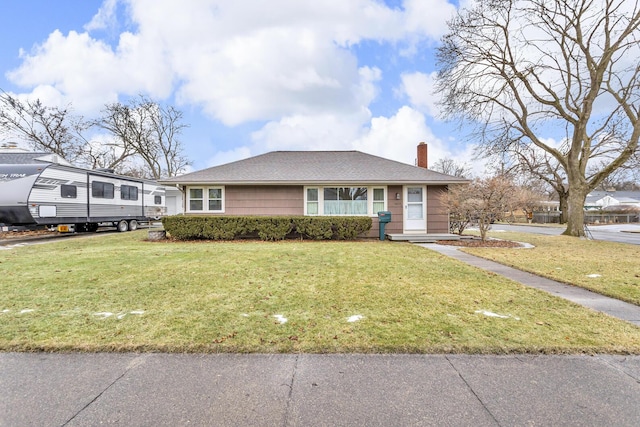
pixel 312 201
pixel 215 199
pixel 345 200
pixel 205 199
pixel 348 201
pixel 378 200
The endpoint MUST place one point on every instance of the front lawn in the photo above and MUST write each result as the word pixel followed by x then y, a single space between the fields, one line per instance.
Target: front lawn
pixel 121 293
pixel 608 268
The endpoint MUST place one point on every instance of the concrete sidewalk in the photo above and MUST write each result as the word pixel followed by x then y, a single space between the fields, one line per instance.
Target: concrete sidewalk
pixel 317 390
pixel 611 306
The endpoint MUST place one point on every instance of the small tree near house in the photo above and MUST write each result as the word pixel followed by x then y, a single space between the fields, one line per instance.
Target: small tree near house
pixel 460 212
pixel 483 201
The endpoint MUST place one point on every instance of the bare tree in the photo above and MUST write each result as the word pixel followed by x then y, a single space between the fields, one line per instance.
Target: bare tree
pixel 53 129
pixel 627 177
pixel 460 212
pixel 451 167
pixel 537 166
pixel 143 135
pixel 527 71
pixel 484 201
pixel 526 200
pixel 147 130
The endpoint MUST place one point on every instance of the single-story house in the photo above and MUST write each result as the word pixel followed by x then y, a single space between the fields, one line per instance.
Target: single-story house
pixel 323 183
pixel 598 200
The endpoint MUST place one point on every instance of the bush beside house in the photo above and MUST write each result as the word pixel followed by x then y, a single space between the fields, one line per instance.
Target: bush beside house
pixel 265 228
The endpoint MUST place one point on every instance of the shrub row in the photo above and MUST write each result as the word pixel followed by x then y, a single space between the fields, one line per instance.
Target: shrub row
pixel 266 228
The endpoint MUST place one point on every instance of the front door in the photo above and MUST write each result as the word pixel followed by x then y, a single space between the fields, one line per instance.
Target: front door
pixel 414 210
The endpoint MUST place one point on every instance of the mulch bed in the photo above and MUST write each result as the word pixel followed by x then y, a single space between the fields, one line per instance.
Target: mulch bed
pixel 6 235
pixel 477 243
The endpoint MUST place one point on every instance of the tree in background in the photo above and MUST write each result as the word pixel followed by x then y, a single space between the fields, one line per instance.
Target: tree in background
pixel 142 136
pixel 486 200
pixel 626 178
pixel 449 166
pixel 525 72
pixel 150 131
pixel 538 171
pixel 52 129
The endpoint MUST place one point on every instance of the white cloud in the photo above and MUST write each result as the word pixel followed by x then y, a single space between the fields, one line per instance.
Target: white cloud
pixel 310 132
pixel 394 137
pixel 240 61
pixel 419 87
pixel 288 64
pixel 105 18
pixel 428 17
pixel 223 157
pixel 88 73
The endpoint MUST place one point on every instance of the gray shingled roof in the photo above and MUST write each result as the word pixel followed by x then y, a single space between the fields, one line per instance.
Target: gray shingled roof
pixel 20 158
pixel 315 167
pixel 24 157
pixel 621 196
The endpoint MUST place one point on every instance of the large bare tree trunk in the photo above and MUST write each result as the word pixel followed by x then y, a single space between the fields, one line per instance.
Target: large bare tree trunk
pixel 564 208
pixel 575 212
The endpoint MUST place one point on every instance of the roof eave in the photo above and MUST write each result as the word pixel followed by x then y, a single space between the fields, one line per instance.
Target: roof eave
pixel 308 183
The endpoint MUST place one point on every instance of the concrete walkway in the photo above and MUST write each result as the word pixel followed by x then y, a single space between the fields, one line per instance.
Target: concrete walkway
pixel 317 390
pixel 611 306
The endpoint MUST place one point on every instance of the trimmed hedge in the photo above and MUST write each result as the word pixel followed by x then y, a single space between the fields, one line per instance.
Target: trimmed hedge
pixel 265 227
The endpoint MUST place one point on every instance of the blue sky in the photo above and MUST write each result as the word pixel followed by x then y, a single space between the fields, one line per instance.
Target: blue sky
pixel 250 76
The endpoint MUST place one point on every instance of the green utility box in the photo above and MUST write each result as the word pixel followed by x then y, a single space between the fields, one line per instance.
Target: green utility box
pixel 384 217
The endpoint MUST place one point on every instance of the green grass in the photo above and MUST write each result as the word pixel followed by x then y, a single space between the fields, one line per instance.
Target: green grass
pixel 222 297
pixel 608 268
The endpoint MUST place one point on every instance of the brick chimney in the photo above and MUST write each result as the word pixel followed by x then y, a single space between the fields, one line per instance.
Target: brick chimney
pixel 422 155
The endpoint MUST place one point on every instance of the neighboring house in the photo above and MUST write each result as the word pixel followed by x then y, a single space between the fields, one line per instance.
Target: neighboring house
pixel 17 156
pixel 598 200
pixel 174 201
pixel 323 183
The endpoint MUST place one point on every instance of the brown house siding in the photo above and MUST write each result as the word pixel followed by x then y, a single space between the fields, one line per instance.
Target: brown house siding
pixel 264 200
pixel 437 217
pixel 395 206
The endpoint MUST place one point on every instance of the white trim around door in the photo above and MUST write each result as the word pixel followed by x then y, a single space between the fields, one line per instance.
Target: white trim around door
pixel 415 209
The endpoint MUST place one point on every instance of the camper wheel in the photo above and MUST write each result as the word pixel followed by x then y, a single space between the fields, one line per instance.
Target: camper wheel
pixel 123 225
pixel 133 225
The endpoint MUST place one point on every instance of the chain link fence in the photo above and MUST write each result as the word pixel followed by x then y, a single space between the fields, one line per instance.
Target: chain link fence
pixel 589 218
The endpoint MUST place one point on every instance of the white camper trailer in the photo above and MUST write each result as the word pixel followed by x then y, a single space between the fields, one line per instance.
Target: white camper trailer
pixel 39 191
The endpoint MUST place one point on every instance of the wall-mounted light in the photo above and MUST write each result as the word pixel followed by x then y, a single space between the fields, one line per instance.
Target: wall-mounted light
pixel 397 196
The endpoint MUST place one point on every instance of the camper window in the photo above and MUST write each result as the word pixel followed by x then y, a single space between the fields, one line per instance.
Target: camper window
pixel 68 191
pixel 157 200
pixel 102 190
pixel 128 192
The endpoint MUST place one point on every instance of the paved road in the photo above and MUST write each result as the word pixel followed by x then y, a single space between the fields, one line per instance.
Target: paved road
pixel 622 233
pixel 318 390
